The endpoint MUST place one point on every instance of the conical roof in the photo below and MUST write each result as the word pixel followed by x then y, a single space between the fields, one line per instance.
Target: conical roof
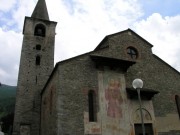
pixel 40 10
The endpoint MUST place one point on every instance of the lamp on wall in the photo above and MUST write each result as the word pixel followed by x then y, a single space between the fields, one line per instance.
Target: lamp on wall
pixel 138 84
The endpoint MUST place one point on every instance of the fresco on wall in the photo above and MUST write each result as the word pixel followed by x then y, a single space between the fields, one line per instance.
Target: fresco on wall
pixel 113 98
pixel 113 115
pixel 113 103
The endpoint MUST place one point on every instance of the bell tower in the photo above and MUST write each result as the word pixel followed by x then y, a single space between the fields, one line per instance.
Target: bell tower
pixel 36 65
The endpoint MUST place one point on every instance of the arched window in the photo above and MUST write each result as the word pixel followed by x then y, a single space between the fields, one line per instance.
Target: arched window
pixel 91 105
pixel 38 47
pixel 38 60
pixel 40 30
pixel 178 104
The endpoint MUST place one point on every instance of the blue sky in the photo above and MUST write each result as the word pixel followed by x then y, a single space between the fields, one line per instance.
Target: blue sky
pixel 79 21
pixel 163 7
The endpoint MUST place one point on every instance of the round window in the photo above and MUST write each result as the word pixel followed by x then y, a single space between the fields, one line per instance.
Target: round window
pixel 132 53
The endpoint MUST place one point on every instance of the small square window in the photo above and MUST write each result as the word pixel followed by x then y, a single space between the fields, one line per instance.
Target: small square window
pixel 38 47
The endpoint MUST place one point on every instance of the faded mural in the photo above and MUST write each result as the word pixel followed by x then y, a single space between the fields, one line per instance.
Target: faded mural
pixel 113 102
pixel 113 98
pixel 113 115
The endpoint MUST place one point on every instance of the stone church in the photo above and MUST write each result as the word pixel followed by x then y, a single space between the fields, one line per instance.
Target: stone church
pixel 92 94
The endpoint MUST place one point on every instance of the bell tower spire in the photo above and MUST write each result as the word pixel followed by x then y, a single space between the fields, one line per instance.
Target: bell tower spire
pixel 40 11
pixel 36 65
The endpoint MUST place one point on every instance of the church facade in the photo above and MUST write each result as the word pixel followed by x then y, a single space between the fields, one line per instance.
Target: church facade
pixel 92 94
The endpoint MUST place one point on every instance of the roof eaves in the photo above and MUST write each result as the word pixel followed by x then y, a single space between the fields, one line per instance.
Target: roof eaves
pixel 99 45
pixel 114 34
pixel 140 37
pixel 52 73
pixel 166 64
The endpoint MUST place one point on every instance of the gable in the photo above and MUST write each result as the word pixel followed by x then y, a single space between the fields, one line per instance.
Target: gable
pixel 125 45
pixel 105 42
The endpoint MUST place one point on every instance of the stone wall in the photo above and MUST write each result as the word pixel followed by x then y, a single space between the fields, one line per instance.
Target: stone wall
pixel 78 75
pixel 32 77
pixel 177 132
pixel 49 108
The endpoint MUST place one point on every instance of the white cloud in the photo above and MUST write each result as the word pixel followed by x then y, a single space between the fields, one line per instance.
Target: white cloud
pixel 82 27
pixel 163 33
pixel 24 8
pixel 10 45
pixel 6 5
pixel 3 73
pixel 82 24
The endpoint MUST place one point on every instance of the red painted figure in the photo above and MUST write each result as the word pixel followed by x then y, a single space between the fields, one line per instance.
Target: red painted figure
pixel 114 99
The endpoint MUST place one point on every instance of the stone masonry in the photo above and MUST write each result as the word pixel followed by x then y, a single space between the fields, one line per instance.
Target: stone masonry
pixel 71 79
pixel 92 94
pixel 36 65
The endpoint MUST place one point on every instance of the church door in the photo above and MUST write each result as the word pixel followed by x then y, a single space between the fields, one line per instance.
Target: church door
pixel 148 129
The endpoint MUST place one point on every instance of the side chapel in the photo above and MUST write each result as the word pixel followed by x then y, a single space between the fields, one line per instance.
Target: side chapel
pixel 92 94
